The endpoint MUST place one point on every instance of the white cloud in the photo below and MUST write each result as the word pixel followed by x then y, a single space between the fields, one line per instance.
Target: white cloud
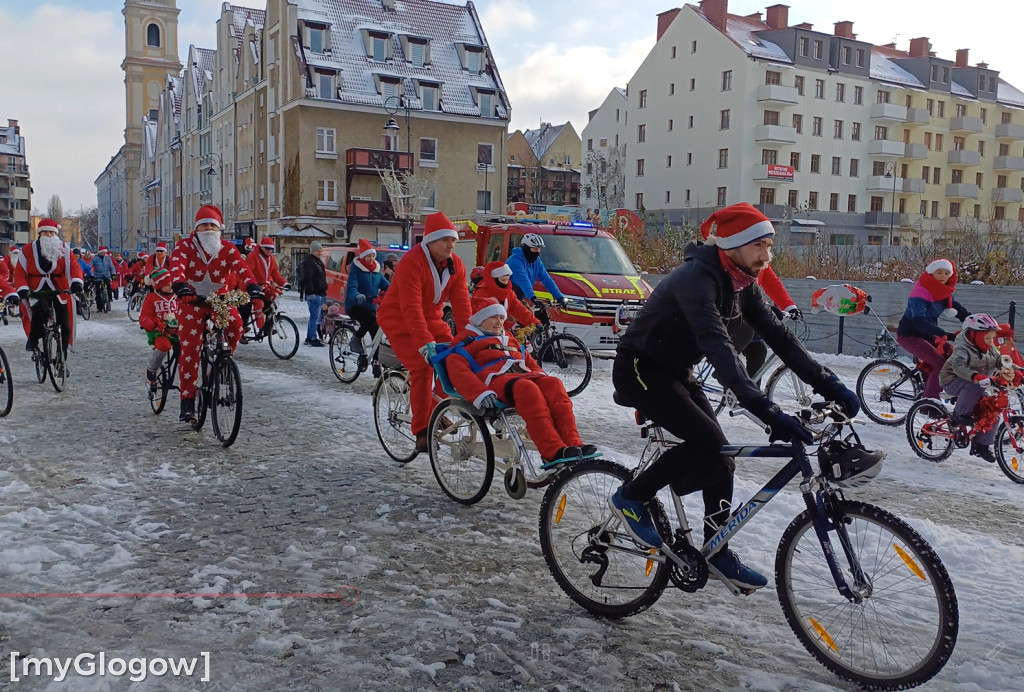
pixel 504 16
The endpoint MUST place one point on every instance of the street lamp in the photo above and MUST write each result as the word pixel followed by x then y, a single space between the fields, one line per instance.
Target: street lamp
pixel 219 172
pixel 890 172
pixel 393 104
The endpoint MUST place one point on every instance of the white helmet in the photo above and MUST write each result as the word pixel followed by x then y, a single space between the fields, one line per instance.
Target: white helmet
pixel 532 240
pixel 981 322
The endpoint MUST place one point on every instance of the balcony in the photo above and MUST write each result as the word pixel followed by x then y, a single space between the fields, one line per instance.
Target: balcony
pixel 777 95
pixel 20 192
pixel 879 183
pixel 773 173
pixel 888 112
pixel 882 219
pixel 965 123
pixel 915 151
pixel 918 116
pixel 21 215
pixel 370 211
pixel 774 134
pixel 964 157
pixel 1009 131
pixel 913 186
pixel 886 147
pixel 1008 163
pixel 369 160
pixel 1008 194
pixel 962 191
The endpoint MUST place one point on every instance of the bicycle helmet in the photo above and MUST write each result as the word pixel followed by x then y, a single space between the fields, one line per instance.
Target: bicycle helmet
pixel 849 465
pixel 532 240
pixel 980 322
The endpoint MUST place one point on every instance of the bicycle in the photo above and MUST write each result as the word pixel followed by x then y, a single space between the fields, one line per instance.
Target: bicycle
pixel 220 388
pixel 103 295
pixel 48 356
pixel 164 380
pixel 561 354
pixel 862 591
pixel 86 301
pixel 6 385
pixel 135 302
pixel 279 329
pixel 348 363
pixel 8 312
pixel 392 412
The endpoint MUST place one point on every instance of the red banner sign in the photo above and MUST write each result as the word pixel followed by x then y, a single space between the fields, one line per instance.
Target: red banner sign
pixel 780 172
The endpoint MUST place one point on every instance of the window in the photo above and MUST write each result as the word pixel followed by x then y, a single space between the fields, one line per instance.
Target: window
pixel 837 165
pixel 1004 149
pixel 1005 117
pixel 767 195
pixel 816 126
pixel 673 52
pixel 640 168
pixel 668 161
pixel 840 92
pixel 325 140
pixel 837 129
pixel 847 55
pixel 723 158
pixel 769 156
pixel 485 154
pixel 935 73
pixel 428 150
pixel 642 99
pixel 689 158
pixel 851 204
pixel 727 80
pixel 860 59
pixel 430 95
pixel 961 110
pixel 671 88
pixel 474 61
pixel 487 102
pixel 855 132
pixel 882 97
pixel 981 147
pixel 693 84
pixel 928 140
pixel 153 36
pixel 771 117
pixel 876 240
pixel 326 193
pixel 815 163
pixel 1000 213
pixel 389 88
pixel 671 122
pixel 1001 181
pixel 417 53
pixel 693 46
pixel 325 84
pixel 942 109
pixel 858 95
pixel 689 122
pixel 958 144
pixel 903 205
pixel 641 133
pixel 977 179
pixel 945 75
pixel 812 200
pixel 833 201
pixel 956 176
pixel 379 46
pixel 805 46
pixel 798 82
pixel 483 200
pixel 798 123
pixel 854 168
pixel 926 172
pixel 639 200
pixel 935 209
pixel 772 77
pixel 877 168
pixel 791 200
pixel 794 160
pixel 924 208
pixel 876 204
pixel 668 195
pixel 881 132
pixel 938 141
pixel 720 199
pixel 818 45
pixel 819 88
pixel 723 121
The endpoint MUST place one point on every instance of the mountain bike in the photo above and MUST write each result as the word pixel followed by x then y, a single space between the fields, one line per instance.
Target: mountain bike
pixel 164 380
pixel 279 329
pixel 864 593
pixel 561 354
pixel 87 299
pixel 6 385
pixel 348 363
pixel 220 388
pixel 135 303
pixel 49 356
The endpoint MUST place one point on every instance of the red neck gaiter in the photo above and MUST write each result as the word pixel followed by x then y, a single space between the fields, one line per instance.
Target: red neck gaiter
pixel 740 279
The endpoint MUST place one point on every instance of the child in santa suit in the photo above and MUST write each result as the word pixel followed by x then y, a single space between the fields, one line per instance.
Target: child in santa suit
pixel 488 365
pixel 158 318
pixel 497 283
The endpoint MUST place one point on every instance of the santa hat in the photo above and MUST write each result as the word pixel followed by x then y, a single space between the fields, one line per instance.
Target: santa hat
pixel 735 226
pixel 484 308
pixel 15 250
pixel 161 247
pixel 267 241
pixel 209 214
pixel 102 249
pixel 249 244
pixel 365 248
pixel 48 225
pixel 936 265
pixel 497 270
pixel 438 226
pixel 160 277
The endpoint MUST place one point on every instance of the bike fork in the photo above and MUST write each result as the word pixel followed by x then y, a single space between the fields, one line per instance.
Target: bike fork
pixel 824 522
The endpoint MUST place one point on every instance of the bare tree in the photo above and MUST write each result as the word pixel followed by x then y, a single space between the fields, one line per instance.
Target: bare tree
pixel 604 172
pixel 88 219
pixel 54 208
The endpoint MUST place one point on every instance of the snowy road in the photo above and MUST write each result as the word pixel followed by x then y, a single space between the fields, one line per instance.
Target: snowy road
pixel 97 495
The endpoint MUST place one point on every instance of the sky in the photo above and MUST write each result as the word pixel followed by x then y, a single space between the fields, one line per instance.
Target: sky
pixel 558 60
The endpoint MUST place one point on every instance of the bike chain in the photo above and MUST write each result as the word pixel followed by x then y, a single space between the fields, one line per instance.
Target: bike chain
pixel 693 574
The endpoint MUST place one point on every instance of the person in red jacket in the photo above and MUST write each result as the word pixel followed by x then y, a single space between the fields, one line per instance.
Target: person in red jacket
pixel 158 317
pixel 11 260
pixel 488 365
pixel 158 260
pixel 200 266
pixel 263 265
pixel 497 283
pixel 412 312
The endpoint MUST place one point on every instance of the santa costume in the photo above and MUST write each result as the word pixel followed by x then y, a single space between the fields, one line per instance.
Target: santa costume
pixel 496 283
pixel 159 319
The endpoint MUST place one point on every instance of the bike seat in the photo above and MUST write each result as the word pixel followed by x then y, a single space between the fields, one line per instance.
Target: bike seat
pixel 622 401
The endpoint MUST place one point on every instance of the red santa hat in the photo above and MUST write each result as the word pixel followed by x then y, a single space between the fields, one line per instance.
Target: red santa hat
pixel 49 225
pixel 249 244
pixel 161 247
pixel 735 226
pixel 365 248
pixel 484 308
pixel 160 277
pixel 497 270
pixel 209 214
pixel 936 265
pixel 267 242
pixel 102 250
pixel 438 226
pixel 15 250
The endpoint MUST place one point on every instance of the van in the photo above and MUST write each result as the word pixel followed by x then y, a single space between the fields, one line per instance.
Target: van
pixel 339 259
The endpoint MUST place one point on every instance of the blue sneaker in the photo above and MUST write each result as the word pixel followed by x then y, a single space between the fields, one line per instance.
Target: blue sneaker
pixel 735 571
pixel 636 519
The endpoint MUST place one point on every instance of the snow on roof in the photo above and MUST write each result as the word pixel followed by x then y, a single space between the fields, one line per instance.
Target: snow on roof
pixel 742 31
pixel 15 144
pixel 957 89
pixel 1010 94
pixel 884 69
pixel 307 232
pixel 542 138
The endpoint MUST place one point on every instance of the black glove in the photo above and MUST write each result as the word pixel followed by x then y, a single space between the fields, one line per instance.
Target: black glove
pixel 23 294
pixel 795 314
pixel 489 404
pixel 783 426
pixel 13 300
pixel 286 287
pixel 183 289
pixel 255 291
pixel 76 288
pixel 835 391
pixel 562 304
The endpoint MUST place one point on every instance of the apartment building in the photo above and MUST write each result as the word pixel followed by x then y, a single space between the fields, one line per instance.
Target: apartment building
pixel 544 165
pixel 833 137
pixel 15 188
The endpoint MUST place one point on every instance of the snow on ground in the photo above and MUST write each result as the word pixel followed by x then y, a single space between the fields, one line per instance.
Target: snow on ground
pixel 99 495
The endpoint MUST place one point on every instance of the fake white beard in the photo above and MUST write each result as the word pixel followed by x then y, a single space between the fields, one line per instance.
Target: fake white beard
pixel 50 247
pixel 209 241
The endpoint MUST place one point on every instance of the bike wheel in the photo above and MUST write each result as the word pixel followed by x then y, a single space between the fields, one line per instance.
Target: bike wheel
pixel 202 404
pixel 1010 448
pixel 902 632
pixel 928 430
pixel 85 308
pixel 344 361
pixel 717 395
pixel 226 403
pixel 134 305
pixel 461 453
pixel 392 416
pixel 788 391
pixel 593 560
pixel 158 397
pixel 55 364
pixel 39 359
pixel 284 337
pixel 6 385
pixel 887 389
pixel 566 357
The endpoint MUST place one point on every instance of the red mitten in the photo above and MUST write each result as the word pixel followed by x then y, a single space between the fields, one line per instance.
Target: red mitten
pixel 983 380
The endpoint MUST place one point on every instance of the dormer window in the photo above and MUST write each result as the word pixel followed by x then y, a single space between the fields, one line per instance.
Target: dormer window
pixel 430 95
pixel 325 82
pixel 487 101
pixel 380 47
pixel 472 56
pixel 318 38
pixel 418 53
pixel 389 86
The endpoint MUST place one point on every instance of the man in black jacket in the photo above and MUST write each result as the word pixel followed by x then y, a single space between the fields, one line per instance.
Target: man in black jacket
pixel 688 317
pixel 313 285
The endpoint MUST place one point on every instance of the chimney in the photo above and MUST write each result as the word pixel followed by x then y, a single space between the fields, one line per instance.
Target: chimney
pixel 982 65
pixel 805 25
pixel 14 124
pixel 919 47
pixel 716 12
pixel 845 30
pixel 961 57
pixel 755 15
pixel 778 17
pixel 664 19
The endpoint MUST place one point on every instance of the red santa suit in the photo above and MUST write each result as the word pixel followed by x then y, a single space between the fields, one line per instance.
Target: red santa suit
pixel 490 288
pixel 158 260
pixel 60 276
pixel 193 269
pixel 9 262
pixel 412 312
pixel 483 364
pixel 264 269
pixel 6 289
pixel 159 317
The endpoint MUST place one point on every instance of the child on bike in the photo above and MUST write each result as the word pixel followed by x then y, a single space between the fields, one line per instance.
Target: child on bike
pixel 159 318
pixel 968 371
pixel 495 282
pixel 487 365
